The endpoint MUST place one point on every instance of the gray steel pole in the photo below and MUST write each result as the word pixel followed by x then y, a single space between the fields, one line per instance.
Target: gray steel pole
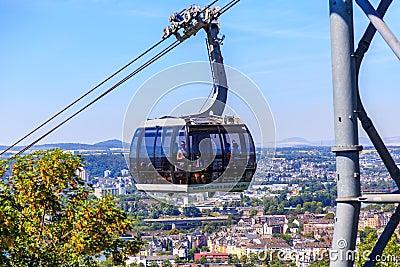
pixel 346 134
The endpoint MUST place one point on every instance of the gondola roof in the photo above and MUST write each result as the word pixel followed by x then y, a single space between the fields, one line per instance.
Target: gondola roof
pixel 191 120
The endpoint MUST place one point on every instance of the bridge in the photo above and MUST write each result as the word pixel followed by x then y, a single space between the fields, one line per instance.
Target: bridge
pixel 186 223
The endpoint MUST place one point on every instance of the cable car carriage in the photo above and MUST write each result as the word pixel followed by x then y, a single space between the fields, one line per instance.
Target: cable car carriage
pixel 200 152
pixel 192 155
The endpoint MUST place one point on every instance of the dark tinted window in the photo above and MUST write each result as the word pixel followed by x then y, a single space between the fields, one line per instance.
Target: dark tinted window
pixel 146 171
pixel 133 152
pixel 149 140
pixel 206 147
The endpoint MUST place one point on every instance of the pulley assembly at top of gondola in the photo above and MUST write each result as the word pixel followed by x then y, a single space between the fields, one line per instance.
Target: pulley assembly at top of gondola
pixel 203 152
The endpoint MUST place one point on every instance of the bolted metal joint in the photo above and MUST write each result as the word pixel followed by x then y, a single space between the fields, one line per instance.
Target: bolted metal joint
pixel 348 148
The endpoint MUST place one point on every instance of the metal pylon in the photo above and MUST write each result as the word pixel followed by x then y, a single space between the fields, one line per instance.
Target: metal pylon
pixel 347 108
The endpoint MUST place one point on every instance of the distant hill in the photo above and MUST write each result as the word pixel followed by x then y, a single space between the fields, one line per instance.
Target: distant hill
pixel 362 140
pixel 65 146
pixel 105 145
pixel 392 141
pixel 298 141
pixel 294 141
pixel 114 143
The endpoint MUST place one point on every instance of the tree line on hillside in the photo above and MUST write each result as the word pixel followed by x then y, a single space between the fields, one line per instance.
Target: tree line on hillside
pixel 49 218
pixel 97 164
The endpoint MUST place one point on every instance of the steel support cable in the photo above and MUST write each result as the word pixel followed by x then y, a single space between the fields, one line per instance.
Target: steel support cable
pixel 166 50
pixel 87 93
pixel 377 141
pixel 207 6
pixel 142 67
pixel 212 3
pixel 228 6
pixel 81 97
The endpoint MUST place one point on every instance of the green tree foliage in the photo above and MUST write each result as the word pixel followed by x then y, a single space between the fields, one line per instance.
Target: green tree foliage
pixel 48 218
pixel 97 164
pixel 206 212
pixel 203 259
pixel 330 216
pixel 286 237
pixel 243 259
pixel 281 208
pixel 107 263
pixel 314 198
pixel 390 254
pixel 271 259
pixel 320 263
pixel 178 259
pixel 313 206
pixel 233 259
pixel 367 231
pixel 205 249
pixel 253 212
pixel 253 259
pixel 163 209
pixel 191 253
pixel 272 209
pixel 191 212
pixel 166 263
pixel 298 209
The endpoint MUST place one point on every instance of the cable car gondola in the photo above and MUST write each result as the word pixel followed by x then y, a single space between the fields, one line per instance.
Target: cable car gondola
pixel 193 155
pixel 203 152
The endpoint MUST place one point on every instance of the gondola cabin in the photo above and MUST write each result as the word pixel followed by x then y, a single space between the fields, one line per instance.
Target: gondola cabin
pixel 190 155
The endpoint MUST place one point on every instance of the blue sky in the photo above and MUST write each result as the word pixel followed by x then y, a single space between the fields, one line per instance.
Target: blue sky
pixel 53 51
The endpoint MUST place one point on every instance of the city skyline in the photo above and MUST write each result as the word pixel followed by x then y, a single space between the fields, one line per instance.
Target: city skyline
pixel 54 51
